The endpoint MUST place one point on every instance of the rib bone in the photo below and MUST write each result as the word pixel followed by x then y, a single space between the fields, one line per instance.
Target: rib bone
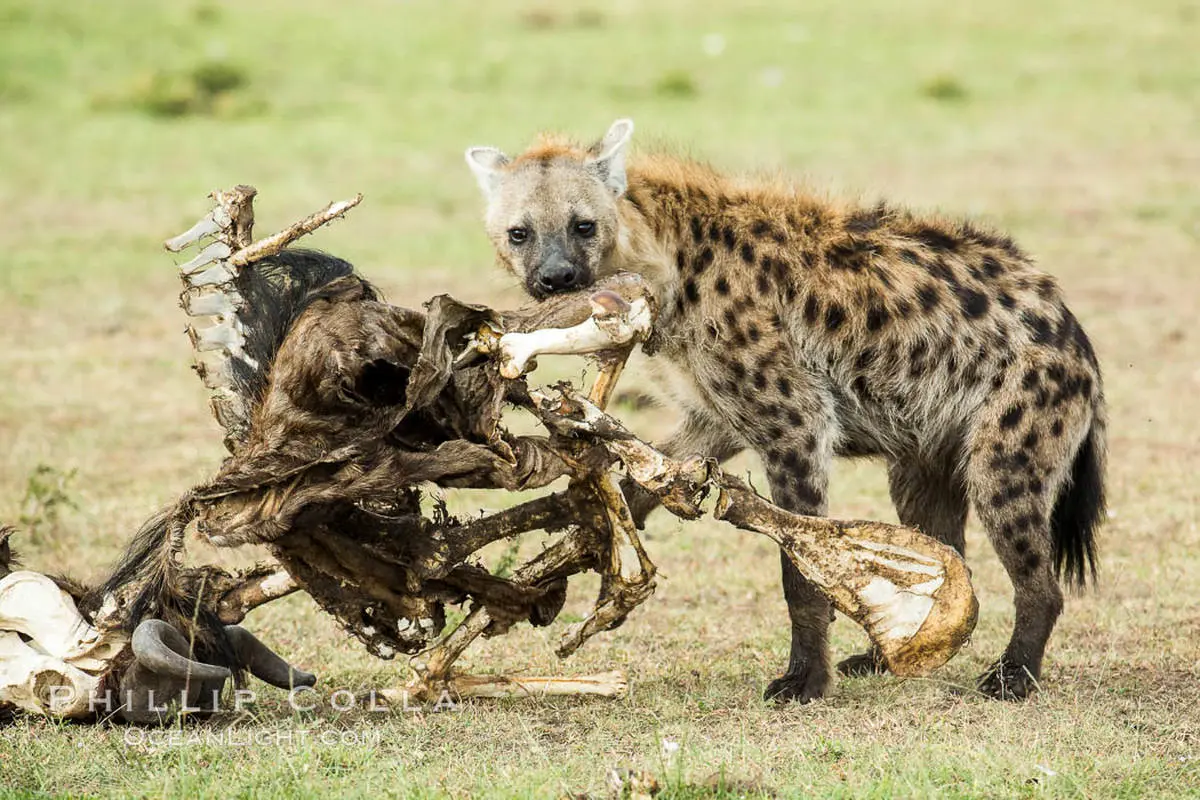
pixel 217 251
pixel 213 222
pixel 212 304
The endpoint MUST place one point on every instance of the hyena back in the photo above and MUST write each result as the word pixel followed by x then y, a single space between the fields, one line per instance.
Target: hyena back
pixel 806 329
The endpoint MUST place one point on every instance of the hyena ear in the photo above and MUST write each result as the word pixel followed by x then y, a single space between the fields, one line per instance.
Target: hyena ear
pixel 486 163
pixel 610 162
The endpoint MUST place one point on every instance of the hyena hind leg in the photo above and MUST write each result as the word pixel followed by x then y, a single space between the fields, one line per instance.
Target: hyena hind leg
pixel 930 495
pixel 1035 479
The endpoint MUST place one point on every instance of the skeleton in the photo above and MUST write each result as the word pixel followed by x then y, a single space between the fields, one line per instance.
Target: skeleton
pixel 338 409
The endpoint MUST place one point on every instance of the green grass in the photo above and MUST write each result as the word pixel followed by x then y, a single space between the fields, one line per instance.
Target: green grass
pixel 1072 124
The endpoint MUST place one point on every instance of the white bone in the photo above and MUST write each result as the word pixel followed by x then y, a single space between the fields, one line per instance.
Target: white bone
pixel 227 337
pixel 604 684
pixel 278 584
pixel 212 304
pixel 32 604
pixel 214 373
pixel 895 613
pixel 601 331
pixel 40 683
pixel 216 251
pixel 218 275
pixel 213 222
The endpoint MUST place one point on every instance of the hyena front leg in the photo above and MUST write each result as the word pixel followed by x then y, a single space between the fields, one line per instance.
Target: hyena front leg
pixel 794 440
pixel 798 473
pixel 930 494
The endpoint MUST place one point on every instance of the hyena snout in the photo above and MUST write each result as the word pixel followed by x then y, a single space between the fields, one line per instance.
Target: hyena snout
pixel 559 276
pixel 558 272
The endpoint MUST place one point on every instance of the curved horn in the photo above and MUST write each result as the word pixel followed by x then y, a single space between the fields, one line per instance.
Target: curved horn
pixel 160 648
pixel 263 663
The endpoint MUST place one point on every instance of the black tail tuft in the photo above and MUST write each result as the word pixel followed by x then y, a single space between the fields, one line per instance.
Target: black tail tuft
pixel 1078 511
pixel 162 592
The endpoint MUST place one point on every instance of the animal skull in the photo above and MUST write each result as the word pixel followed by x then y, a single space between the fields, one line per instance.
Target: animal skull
pixel 51 659
pixel 53 662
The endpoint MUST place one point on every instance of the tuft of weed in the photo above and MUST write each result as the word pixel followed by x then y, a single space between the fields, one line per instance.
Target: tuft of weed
pixel 211 87
pixel 676 83
pixel 548 18
pixel 218 76
pixel 48 494
pixel 206 12
pixel 945 89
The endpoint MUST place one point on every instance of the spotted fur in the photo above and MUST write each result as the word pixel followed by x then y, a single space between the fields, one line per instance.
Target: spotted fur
pixel 805 329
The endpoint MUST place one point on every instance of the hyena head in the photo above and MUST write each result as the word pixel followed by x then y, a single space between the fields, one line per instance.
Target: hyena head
pixel 552 211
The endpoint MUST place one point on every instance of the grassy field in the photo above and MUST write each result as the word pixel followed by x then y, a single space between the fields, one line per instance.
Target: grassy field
pixel 1072 124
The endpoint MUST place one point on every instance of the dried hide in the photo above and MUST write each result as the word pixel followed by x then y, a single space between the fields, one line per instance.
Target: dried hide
pixel 362 405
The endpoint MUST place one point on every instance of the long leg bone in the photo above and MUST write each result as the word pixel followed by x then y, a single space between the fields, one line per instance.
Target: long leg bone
pixel 911 593
pixel 437 676
pixel 614 323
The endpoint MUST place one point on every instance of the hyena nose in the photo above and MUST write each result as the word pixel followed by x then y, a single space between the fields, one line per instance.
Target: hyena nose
pixel 558 277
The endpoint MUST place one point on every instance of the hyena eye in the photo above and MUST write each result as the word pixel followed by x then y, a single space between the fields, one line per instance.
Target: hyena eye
pixel 517 235
pixel 585 228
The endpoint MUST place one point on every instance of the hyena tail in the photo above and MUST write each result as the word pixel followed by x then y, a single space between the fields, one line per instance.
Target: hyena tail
pixel 1079 510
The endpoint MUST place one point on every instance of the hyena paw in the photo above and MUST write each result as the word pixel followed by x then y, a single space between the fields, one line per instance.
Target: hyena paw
pixel 862 665
pixel 1008 681
pixel 802 687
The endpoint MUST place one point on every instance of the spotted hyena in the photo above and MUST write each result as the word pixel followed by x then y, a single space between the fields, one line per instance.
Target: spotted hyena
pixel 805 329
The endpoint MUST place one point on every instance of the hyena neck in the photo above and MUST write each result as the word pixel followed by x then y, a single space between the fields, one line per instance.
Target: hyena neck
pixel 653 223
pixel 642 248
pixel 675 210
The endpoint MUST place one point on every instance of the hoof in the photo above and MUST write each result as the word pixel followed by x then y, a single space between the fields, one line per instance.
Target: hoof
pixel 799 687
pixel 862 665
pixel 1005 681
